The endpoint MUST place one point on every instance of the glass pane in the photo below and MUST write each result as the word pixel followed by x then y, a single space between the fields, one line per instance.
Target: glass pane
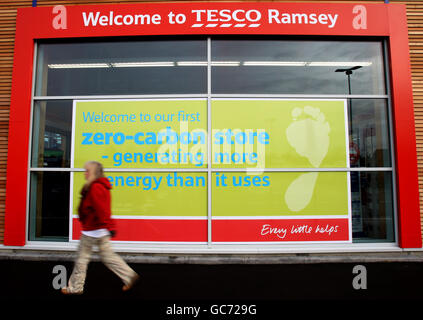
pixel 122 67
pixel 141 133
pixel 280 194
pixel 281 133
pixel 137 194
pixel 51 140
pixel 280 206
pixel 369 133
pixel 297 67
pixel 49 203
pixel 154 206
pixel 372 207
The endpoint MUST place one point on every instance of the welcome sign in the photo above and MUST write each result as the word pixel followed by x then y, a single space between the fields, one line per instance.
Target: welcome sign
pixel 286 155
pixel 212 18
pixel 218 18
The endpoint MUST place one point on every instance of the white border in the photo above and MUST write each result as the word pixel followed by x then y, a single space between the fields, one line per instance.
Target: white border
pixel 71 207
pixel 71 179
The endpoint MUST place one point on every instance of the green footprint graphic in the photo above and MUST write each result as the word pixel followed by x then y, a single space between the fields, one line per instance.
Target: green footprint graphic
pixel 308 134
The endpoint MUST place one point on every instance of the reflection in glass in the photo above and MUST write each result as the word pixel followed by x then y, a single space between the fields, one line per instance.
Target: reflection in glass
pixel 369 133
pixel 372 207
pixel 296 67
pixel 121 67
pixel 52 127
pixel 49 206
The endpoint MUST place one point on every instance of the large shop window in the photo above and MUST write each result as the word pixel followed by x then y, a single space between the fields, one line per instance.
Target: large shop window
pixel 208 136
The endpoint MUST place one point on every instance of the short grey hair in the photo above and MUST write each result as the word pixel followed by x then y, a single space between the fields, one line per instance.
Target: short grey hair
pixel 98 168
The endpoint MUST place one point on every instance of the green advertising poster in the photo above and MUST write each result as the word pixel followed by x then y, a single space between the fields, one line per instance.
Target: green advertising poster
pixel 301 143
pixel 254 134
pixel 257 134
pixel 137 194
pixel 280 194
pixel 279 134
pixel 141 134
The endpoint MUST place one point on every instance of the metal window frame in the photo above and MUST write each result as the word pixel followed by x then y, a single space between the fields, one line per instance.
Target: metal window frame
pixel 211 246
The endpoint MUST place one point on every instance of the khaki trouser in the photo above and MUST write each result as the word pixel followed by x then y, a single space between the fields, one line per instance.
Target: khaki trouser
pixel 111 259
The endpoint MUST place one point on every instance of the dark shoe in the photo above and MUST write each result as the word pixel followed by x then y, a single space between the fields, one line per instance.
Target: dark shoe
pixel 66 290
pixel 131 283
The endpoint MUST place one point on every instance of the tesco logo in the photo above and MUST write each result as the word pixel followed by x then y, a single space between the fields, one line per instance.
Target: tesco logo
pixel 226 15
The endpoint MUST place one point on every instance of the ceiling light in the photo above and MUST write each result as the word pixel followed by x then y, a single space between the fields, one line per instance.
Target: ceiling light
pixel 142 64
pixel 191 63
pixel 225 63
pixel 275 63
pixel 78 65
pixel 338 64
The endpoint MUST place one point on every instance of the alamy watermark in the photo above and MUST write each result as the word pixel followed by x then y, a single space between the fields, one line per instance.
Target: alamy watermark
pixel 60 280
pixel 360 280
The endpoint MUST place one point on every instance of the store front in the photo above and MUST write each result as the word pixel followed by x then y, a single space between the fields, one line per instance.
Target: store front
pixel 223 127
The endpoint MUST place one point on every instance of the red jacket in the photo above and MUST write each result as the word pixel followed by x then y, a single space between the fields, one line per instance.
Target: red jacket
pixel 95 207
